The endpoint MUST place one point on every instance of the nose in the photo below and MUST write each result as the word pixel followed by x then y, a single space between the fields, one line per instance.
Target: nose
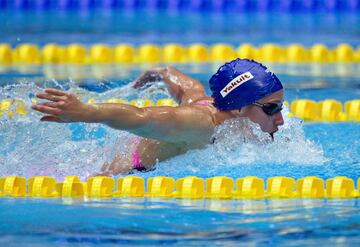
pixel 278 119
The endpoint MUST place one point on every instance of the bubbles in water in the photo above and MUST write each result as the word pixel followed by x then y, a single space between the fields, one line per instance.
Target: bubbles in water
pixel 241 148
pixel 251 145
pixel 29 147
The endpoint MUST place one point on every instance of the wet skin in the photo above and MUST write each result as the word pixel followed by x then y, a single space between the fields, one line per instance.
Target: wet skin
pixel 165 131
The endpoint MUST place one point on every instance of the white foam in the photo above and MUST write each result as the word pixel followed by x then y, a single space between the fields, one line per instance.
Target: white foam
pixel 235 151
pixel 29 147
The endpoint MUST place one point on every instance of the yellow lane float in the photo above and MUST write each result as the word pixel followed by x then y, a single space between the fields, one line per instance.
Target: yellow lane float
pixel 191 187
pixel 123 53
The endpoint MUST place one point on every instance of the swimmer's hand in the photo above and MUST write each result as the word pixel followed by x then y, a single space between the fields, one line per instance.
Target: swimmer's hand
pixel 62 107
pixel 151 75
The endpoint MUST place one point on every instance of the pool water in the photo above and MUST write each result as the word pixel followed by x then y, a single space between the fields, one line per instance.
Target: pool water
pixel 56 222
pixel 138 27
pixel 300 149
pixel 29 147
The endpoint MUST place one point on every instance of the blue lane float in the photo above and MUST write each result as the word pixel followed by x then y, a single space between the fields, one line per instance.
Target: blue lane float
pixel 188 5
pixel 64 4
pixel 21 4
pixel 42 4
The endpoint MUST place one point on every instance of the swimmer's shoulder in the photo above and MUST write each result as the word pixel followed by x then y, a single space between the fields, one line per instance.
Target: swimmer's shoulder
pixel 207 104
pixel 204 103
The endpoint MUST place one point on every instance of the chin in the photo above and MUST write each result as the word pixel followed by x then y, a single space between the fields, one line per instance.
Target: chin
pixel 274 131
pixel 266 130
pixel 270 131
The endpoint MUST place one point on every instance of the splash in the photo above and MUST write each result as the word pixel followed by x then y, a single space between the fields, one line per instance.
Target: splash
pixel 241 148
pixel 29 147
pixel 251 145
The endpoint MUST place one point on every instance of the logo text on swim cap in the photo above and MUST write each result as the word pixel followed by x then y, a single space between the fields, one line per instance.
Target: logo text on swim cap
pixel 234 83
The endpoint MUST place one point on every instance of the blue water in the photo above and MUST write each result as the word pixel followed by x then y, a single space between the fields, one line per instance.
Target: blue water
pixel 320 149
pixel 335 146
pixel 31 222
pixel 29 147
pixel 138 27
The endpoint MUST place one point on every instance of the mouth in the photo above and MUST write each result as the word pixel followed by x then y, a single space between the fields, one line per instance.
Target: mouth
pixel 272 133
pixel 272 136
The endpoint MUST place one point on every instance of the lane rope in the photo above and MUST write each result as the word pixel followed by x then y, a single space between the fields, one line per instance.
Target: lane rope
pixel 329 110
pixel 191 187
pixel 174 53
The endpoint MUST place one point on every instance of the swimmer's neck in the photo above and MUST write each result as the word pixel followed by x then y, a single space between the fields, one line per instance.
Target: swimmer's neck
pixel 222 116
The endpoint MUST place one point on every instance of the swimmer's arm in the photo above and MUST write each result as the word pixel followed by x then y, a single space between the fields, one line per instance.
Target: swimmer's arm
pixel 171 124
pixel 182 87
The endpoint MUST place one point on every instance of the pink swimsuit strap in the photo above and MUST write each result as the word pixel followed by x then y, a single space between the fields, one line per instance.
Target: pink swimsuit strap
pixel 204 102
pixel 137 164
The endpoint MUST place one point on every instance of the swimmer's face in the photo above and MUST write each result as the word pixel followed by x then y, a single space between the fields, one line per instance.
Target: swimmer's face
pixel 267 123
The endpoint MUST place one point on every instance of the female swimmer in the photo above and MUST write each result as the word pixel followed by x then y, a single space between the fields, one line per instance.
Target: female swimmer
pixel 240 88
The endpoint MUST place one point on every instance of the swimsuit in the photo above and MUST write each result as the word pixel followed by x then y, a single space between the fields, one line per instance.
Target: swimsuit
pixel 204 102
pixel 137 164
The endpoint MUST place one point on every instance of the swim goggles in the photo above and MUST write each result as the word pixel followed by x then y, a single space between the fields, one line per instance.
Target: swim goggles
pixel 270 108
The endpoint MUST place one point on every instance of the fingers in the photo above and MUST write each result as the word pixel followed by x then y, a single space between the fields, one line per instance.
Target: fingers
pixel 140 81
pixel 52 104
pixel 53 94
pixel 46 109
pixel 137 83
pixel 50 118
pixel 147 77
pixel 49 97
pixel 56 92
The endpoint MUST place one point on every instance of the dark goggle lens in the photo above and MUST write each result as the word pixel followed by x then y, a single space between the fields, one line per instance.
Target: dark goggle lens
pixel 272 108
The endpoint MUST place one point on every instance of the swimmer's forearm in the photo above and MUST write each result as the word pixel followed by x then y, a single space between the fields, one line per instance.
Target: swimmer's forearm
pixel 171 124
pixel 170 77
pixel 119 116
pixel 178 83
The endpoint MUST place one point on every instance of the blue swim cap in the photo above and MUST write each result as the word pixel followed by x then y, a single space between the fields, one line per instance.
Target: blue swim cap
pixel 241 82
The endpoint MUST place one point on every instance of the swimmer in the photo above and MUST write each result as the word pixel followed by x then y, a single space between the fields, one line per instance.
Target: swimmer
pixel 241 88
